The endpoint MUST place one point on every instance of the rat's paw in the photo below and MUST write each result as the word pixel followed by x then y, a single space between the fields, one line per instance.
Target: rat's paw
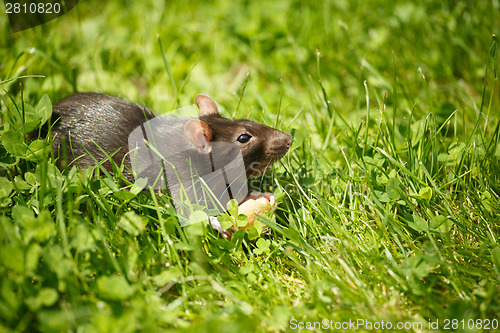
pixel 216 226
pixel 256 195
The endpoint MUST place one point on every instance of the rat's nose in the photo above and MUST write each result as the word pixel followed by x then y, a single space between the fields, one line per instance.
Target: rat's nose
pixel 281 142
pixel 288 140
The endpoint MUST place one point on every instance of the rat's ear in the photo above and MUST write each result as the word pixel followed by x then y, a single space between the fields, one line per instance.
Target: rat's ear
pixel 199 134
pixel 206 105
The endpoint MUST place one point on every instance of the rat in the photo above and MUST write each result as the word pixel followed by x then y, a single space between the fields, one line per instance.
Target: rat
pixel 87 126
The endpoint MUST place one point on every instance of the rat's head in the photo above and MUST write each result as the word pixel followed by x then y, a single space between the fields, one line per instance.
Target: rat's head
pixel 260 145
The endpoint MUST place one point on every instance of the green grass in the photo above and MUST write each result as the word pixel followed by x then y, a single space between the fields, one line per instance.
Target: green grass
pixel 390 204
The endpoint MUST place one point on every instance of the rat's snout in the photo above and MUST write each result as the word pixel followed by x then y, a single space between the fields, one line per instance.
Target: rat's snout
pixel 288 140
pixel 279 144
pixel 284 140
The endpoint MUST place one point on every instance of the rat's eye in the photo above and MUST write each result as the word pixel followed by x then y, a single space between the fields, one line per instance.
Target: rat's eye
pixel 243 138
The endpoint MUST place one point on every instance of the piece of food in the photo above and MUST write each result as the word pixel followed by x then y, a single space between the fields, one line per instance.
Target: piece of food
pixel 251 208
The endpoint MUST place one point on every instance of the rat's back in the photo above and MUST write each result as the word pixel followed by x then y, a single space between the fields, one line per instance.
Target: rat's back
pixel 92 123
